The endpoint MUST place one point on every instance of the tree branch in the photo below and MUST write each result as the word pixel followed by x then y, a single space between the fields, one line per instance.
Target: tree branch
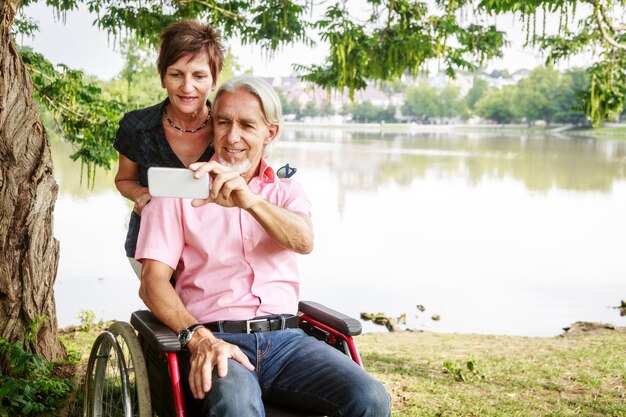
pixel 216 8
pixel 610 40
pixel 602 20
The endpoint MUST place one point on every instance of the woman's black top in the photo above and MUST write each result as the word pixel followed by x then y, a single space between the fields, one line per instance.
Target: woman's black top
pixel 141 138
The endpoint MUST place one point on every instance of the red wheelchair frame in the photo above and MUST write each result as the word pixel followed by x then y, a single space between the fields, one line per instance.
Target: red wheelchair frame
pixel 152 356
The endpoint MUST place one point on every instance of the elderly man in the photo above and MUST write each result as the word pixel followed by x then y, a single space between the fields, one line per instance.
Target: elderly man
pixel 237 290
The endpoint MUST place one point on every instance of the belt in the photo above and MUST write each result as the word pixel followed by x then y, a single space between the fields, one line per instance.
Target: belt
pixel 261 324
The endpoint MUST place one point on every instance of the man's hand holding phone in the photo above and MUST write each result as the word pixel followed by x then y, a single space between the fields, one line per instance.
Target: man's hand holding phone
pixel 228 187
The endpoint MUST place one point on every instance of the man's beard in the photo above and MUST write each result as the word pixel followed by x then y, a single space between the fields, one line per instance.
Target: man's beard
pixel 239 168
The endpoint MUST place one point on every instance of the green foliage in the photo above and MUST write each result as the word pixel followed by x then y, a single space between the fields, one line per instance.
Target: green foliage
pixel 498 105
pixel 574 84
pixel 231 67
pixel 599 32
pixel 268 23
pixel 393 87
pixel 399 38
pixel 24 26
pixel 327 109
pixel 276 23
pixel 475 93
pixel 537 95
pixel 28 386
pixel 366 112
pixel 87 319
pixel 464 373
pixel 310 109
pixel 347 63
pixel 87 120
pixel 424 103
pixel 289 107
pixel 545 95
pixel 452 104
pixel 606 96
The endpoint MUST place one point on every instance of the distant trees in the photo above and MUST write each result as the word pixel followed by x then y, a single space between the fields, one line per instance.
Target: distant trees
pixel 475 93
pixel 571 110
pixel 367 112
pixel 498 105
pixel 421 103
pixel 536 95
pixel 545 95
pixel 425 103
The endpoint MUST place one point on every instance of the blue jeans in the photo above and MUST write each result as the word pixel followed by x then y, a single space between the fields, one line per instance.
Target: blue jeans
pixel 291 369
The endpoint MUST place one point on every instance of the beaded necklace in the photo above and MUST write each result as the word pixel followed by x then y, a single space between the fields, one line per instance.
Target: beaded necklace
pixel 208 117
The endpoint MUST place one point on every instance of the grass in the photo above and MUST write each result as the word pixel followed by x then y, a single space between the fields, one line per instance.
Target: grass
pixel 467 375
pixel 613 132
pixel 429 374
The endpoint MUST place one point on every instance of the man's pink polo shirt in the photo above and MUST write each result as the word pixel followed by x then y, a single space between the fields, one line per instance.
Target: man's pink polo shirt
pixel 228 267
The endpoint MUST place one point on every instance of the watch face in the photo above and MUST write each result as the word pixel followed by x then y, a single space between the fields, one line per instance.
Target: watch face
pixel 184 337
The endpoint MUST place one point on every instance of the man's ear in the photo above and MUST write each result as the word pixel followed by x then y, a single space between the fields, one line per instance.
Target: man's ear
pixel 273 134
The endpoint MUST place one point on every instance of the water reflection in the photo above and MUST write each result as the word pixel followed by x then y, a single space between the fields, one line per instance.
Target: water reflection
pixel 72 177
pixel 496 234
pixel 541 163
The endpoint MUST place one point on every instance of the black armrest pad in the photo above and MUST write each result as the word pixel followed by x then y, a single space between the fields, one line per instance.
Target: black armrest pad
pixel 154 332
pixel 342 323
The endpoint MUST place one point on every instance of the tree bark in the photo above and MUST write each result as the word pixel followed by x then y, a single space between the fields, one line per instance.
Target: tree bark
pixel 28 251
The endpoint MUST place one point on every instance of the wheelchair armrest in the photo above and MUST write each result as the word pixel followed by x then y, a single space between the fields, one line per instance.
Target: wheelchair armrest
pixel 161 337
pixel 340 322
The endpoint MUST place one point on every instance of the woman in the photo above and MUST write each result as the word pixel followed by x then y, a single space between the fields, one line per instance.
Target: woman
pixel 178 131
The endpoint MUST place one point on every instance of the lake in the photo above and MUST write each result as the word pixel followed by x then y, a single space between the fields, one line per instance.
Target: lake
pixel 494 233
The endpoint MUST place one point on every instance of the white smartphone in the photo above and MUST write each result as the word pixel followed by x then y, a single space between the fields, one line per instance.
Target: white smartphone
pixel 177 182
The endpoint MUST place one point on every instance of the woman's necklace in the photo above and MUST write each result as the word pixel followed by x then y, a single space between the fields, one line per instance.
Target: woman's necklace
pixel 208 117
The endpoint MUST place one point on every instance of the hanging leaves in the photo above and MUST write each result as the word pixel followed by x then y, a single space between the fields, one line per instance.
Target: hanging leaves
pixel 85 119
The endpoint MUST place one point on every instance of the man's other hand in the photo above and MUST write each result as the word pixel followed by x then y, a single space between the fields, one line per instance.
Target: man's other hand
pixel 207 351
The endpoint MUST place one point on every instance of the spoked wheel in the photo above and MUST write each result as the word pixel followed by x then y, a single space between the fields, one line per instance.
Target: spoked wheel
pixel 117 380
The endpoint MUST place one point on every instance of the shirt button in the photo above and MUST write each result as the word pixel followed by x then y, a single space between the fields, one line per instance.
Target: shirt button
pixel 246 237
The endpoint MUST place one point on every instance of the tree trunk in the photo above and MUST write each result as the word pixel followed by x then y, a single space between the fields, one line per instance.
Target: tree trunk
pixel 29 253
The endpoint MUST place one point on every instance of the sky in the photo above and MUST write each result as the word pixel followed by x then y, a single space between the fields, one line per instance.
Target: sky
pixel 81 46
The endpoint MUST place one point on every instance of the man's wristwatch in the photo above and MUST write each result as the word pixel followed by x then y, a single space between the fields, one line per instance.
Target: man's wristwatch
pixel 185 335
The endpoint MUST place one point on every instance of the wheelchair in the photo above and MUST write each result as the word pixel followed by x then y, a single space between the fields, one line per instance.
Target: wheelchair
pixel 133 368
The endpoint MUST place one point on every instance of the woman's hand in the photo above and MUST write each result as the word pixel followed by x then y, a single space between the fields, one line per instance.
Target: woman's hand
pixel 141 200
pixel 127 183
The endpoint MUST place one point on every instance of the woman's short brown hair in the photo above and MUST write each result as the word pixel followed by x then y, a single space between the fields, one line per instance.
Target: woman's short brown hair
pixel 190 37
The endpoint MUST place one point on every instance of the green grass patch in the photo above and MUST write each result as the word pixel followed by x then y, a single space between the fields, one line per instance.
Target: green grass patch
pixel 430 374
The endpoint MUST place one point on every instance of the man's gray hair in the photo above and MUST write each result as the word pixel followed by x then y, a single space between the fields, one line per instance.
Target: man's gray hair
pixel 270 103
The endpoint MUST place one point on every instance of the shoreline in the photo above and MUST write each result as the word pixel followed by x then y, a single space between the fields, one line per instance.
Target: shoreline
pixel 611 131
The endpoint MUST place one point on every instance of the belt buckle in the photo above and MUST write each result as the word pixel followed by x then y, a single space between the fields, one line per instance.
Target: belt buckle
pixel 248 322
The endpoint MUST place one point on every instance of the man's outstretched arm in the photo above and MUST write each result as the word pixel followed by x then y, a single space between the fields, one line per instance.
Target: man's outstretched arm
pixel 293 230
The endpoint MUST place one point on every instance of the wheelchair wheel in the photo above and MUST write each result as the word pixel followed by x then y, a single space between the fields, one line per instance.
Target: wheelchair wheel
pixel 117 381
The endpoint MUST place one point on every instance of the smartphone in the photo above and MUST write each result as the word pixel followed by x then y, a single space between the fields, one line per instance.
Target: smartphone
pixel 177 182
